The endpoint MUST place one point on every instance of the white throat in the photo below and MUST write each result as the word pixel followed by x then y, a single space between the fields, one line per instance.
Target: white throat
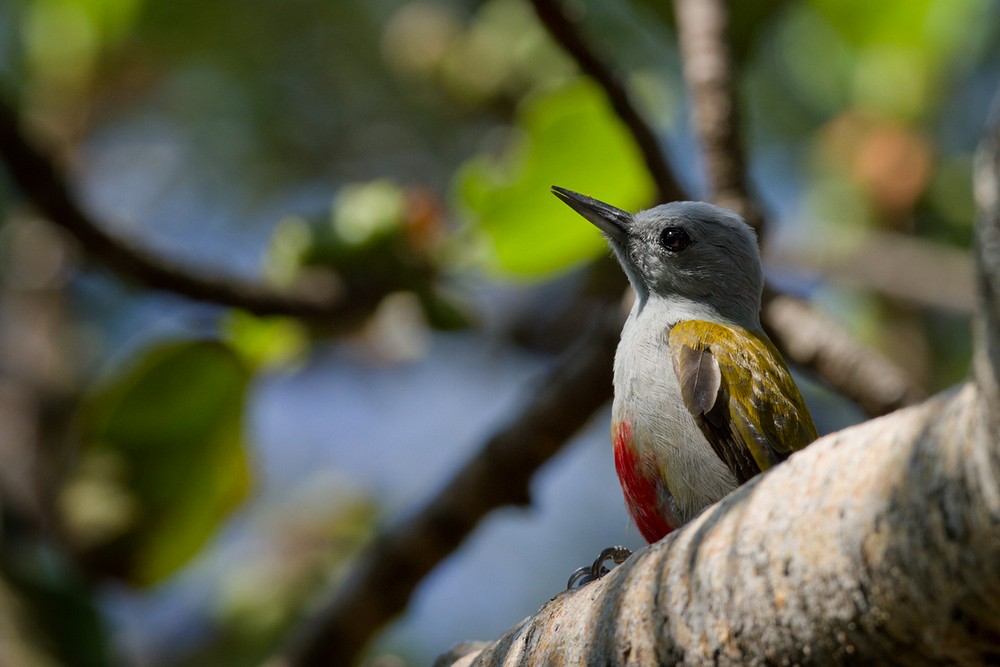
pixel 666 311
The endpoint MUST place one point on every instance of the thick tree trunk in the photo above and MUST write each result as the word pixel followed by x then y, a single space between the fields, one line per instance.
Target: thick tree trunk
pixel 881 542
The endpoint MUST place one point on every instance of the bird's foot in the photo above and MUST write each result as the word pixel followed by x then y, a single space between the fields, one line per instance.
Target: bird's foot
pixel 588 573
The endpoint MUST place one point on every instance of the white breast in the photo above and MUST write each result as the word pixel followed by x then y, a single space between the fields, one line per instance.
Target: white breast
pixel 666 437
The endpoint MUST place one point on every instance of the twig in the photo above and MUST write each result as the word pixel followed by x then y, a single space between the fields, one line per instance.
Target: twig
pixel 702 27
pixel 899 266
pixel 41 182
pixel 498 475
pixel 562 30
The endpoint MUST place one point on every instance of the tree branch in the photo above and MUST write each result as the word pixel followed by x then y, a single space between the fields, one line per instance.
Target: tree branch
pixel 702 28
pixel 564 32
pixel 899 266
pixel 39 179
pixel 811 340
pixel 888 555
pixel 498 475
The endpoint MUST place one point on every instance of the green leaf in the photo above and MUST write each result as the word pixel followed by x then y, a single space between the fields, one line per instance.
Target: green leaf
pixel 172 427
pixel 265 342
pixel 570 137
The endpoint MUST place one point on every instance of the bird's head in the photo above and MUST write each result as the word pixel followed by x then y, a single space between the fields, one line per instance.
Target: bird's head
pixel 692 254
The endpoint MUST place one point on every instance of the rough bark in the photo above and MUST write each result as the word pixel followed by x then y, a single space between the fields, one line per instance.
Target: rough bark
pixel 879 543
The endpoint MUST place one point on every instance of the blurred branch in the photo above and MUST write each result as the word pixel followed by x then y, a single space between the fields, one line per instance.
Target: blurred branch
pixel 703 34
pixel 500 473
pixel 564 32
pixel 812 340
pixel 41 182
pixel 899 266
pixel 806 337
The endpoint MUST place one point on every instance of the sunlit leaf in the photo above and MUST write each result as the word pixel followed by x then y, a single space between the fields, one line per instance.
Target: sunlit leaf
pixel 173 425
pixel 265 342
pixel 570 137
pixel 64 38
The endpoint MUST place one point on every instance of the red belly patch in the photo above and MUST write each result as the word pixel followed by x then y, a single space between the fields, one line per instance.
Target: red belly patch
pixel 642 490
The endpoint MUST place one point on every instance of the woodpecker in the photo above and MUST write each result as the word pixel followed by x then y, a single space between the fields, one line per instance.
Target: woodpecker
pixel 703 401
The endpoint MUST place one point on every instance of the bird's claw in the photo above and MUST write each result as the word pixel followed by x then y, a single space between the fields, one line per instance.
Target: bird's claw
pixel 586 574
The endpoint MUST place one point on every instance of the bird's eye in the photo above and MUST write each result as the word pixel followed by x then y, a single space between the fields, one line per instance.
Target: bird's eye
pixel 674 239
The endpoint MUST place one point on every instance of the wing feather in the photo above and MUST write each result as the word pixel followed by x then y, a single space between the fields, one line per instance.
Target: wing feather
pixel 741 395
pixel 701 378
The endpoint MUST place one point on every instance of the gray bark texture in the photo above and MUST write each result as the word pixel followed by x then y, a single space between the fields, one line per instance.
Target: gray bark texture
pixel 879 544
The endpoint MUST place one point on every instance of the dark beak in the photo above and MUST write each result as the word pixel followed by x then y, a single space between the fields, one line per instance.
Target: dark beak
pixel 614 222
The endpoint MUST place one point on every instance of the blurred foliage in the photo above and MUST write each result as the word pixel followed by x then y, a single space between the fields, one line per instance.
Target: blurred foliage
pixel 162 460
pixel 868 115
pixel 306 543
pixel 859 98
pixel 368 236
pixel 64 40
pixel 265 342
pixel 406 148
pixel 489 60
pixel 378 238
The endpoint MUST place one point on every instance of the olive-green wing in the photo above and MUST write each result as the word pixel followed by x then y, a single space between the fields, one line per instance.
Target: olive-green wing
pixel 740 393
